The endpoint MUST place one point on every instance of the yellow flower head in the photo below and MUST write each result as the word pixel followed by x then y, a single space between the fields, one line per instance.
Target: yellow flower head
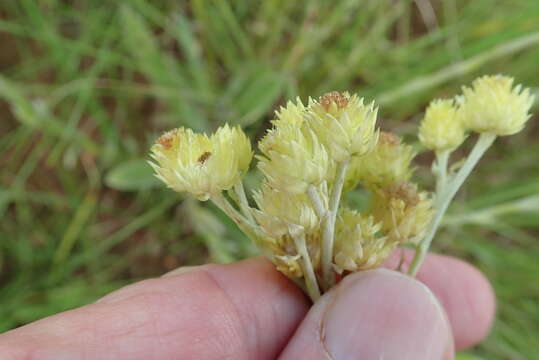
pixel 344 124
pixel 358 245
pixel 201 165
pixel 293 157
pixel 279 209
pixel 292 113
pixel 404 212
pixel 441 128
pixel 388 163
pixel 493 105
pixel 283 253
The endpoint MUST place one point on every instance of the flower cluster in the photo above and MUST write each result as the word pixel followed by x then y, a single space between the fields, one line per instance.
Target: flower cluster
pixel 301 157
pixel 491 105
pixel 317 154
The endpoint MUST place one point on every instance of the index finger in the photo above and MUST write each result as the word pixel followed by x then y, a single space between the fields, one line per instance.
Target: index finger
pixel 247 310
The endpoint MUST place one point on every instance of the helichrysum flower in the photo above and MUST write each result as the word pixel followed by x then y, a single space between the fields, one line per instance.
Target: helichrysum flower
pixel 388 163
pixel 358 244
pixel 292 113
pixel 344 124
pixel 403 212
pixel 201 165
pixel 293 158
pixel 300 222
pixel 278 209
pixel 441 128
pixel 493 105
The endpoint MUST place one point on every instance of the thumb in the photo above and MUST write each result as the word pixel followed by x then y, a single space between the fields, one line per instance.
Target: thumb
pixel 377 314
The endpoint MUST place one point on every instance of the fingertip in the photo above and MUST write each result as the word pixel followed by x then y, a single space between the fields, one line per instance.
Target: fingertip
pixel 465 293
pixel 371 315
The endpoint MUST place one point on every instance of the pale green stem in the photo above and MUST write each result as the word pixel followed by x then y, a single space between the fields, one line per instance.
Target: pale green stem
pixel 442 158
pixel 316 201
pixel 328 226
pixel 223 204
pixel 250 229
pixel 244 204
pixel 443 198
pixel 308 271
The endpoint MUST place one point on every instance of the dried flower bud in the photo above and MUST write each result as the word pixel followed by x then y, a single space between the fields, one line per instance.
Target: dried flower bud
pixel 201 165
pixel 388 163
pixel 441 128
pixel 404 212
pixel 493 105
pixel 358 245
pixel 343 124
pixel 293 157
pixel 278 209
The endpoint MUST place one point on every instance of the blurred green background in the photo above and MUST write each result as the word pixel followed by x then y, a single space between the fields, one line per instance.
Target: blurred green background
pixel 87 86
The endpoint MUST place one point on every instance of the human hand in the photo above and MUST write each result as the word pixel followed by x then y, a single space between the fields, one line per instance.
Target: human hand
pixel 248 310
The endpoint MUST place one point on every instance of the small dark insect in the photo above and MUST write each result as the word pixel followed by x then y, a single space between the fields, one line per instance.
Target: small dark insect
pixel 205 156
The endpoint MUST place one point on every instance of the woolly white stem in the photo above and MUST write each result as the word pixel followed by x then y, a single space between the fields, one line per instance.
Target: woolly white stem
pixel 308 271
pixel 328 226
pixel 243 203
pixel 316 201
pixel 250 229
pixel 446 194
pixel 442 158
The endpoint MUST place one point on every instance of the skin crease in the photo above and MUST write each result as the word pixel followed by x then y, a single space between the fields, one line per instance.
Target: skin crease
pixel 245 310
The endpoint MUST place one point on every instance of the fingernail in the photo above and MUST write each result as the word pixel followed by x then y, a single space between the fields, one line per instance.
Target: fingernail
pixel 180 270
pixel 382 314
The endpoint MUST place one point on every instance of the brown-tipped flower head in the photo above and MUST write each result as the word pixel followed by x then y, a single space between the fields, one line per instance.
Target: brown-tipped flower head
pixel 344 124
pixel 358 244
pixel 201 165
pixel 388 163
pixel 403 212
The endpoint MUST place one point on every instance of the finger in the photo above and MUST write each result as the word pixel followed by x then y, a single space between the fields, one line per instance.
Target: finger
pixel 242 311
pixel 376 314
pixel 464 292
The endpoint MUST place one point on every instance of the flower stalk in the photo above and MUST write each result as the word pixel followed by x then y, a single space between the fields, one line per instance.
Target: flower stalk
pixel 243 203
pixel 442 158
pixel 310 277
pixel 249 228
pixel 328 226
pixel 446 193
pixel 316 201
